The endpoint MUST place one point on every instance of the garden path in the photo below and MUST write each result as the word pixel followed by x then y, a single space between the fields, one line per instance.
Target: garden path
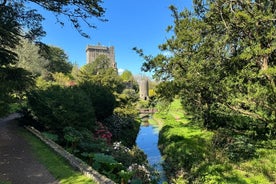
pixel 18 164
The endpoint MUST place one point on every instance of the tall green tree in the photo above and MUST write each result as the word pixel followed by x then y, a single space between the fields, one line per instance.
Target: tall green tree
pixel 129 80
pixel 127 76
pixel 102 73
pixel 57 60
pixel 221 60
pixel 30 59
pixel 18 20
pixel 13 80
pixel 99 66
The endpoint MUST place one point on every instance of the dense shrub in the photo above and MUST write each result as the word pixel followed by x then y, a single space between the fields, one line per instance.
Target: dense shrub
pixel 126 103
pixel 57 107
pixel 127 156
pixel 135 163
pixel 107 165
pixel 124 129
pixel 101 97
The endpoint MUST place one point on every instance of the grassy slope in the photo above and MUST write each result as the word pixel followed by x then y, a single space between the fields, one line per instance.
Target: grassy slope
pixel 57 166
pixel 189 154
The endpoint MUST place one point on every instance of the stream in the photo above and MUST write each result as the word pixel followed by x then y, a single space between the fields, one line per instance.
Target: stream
pixel 147 140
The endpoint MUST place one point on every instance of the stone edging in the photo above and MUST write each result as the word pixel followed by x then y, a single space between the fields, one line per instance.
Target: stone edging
pixel 73 161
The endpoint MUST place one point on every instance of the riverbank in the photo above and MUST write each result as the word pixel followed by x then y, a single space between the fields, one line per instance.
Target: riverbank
pixel 190 154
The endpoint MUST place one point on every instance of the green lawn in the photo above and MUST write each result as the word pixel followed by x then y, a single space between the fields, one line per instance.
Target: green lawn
pixel 190 156
pixel 57 166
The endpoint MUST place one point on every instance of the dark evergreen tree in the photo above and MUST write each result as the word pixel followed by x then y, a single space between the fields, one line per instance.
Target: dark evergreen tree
pixel 221 61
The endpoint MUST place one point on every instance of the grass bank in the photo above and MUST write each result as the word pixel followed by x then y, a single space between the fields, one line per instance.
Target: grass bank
pixel 56 165
pixel 191 157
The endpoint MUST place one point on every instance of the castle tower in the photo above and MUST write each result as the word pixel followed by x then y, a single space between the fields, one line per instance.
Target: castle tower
pixel 93 51
pixel 144 89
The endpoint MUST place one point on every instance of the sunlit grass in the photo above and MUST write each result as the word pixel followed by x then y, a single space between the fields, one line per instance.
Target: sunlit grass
pixel 56 165
pixel 183 143
pixel 261 169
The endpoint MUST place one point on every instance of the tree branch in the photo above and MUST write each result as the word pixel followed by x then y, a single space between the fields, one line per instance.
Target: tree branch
pixel 247 113
pixel 3 3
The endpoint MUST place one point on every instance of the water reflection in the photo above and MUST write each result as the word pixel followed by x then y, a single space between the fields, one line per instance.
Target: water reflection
pixel 147 140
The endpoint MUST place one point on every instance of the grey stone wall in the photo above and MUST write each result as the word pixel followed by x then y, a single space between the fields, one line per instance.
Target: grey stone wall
pixel 94 51
pixel 72 160
pixel 144 89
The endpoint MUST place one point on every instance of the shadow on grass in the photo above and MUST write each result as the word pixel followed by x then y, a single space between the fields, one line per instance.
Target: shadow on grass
pixel 56 165
pixel 188 149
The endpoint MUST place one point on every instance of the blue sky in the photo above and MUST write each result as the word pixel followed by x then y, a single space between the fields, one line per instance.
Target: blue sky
pixel 131 23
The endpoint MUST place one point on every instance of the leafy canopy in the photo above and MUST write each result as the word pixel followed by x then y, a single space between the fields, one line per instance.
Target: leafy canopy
pixel 19 20
pixel 221 60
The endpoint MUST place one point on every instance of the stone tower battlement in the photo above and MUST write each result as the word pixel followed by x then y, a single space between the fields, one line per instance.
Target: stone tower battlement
pixel 93 51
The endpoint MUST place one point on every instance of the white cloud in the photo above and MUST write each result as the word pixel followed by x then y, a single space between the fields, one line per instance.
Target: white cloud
pixel 120 71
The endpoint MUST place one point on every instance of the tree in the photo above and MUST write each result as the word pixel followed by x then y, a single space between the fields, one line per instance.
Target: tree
pixel 44 62
pixel 30 59
pixel 221 61
pixel 99 66
pixel 57 59
pixel 127 76
pixel 17 20
pixel 12 80
pixel 101 97
pixel 129 80
pixel 102 73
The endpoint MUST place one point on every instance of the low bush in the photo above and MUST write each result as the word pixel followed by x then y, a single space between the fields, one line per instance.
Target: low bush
pixel 124 129
pixel 127 156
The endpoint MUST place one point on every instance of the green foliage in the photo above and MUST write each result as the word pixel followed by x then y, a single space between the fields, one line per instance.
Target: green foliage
pixel 184 146
pixel 127 156
pixel 127 76
pixel 237 147
pixel 107 165
pixel 129 80
pixel 101 97
pixel 141 174
pixel 72 136
pixel 13 81
pixel 58 107
pixel 265 164
pixel 126 103
pixel 142 171
pixel 51 136
pixel 125 175
pixel 101 63
pixel 240 148
pixel 79 12
pixel 57 166
pixel 30 59
pixel 222 60
pixel 18 20
pixel 106 77
pixel 124 129
pixel 194 155
pixel 57 60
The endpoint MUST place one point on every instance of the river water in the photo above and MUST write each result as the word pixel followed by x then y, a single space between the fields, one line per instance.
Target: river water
pixel 147 140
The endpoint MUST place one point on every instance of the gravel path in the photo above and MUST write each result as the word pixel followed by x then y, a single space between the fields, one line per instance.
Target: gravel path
pixel 18 165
